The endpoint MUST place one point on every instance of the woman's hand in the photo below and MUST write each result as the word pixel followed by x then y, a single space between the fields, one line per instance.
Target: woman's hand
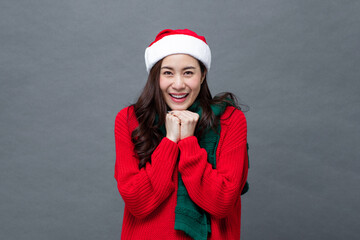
pixel 188 121
pixel 172 125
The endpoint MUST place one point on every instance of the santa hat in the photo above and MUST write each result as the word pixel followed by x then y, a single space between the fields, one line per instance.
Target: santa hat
pixel 184 41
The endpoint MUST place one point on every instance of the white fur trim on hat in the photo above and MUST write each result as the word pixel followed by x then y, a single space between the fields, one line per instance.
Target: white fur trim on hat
pixel 177 43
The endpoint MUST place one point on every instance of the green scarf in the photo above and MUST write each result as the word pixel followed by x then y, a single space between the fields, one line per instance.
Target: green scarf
pixel 189 217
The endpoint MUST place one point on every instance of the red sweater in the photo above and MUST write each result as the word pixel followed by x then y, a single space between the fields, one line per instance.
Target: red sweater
pixel 150 193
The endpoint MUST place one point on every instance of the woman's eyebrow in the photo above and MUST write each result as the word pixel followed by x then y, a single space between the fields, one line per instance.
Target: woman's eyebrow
pixel 185 68
pixel 167 67
pixel 189 67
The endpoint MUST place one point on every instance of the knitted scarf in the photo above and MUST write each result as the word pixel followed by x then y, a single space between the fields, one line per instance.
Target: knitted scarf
pixel 189 217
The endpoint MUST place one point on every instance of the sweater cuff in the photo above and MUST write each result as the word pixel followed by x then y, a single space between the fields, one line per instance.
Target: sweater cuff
pixel 165 155
pixel 193 158
pixel 189 146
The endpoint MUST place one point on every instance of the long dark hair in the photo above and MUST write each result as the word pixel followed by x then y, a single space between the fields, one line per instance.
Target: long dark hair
pixel 151 105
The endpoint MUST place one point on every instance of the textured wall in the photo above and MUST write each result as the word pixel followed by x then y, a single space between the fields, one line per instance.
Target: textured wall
pixel 67 68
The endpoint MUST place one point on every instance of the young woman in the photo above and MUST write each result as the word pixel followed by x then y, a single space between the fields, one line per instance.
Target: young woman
pixel 181 155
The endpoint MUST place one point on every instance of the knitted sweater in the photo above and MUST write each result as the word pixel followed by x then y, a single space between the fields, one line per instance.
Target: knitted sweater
pixel 150 193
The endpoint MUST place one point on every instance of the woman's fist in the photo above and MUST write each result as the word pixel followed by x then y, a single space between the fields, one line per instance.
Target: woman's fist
pixel 188 121
pixel 172 125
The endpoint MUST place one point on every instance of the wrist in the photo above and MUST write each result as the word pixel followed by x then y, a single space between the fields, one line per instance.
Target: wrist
pixel 175 140
pixel 186 136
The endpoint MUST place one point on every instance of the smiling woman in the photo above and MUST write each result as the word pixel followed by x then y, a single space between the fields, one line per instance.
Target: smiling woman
pixel 180 80
pixel 181 156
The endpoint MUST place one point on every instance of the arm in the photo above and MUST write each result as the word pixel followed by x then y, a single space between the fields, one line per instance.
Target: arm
pixel 145 189
pixel 216 190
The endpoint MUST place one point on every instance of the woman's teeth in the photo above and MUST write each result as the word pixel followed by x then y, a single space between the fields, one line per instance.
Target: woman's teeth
pixel 178 96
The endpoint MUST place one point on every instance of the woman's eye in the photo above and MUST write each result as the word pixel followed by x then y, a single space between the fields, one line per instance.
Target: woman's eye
pixel 188 73
pixel 167 73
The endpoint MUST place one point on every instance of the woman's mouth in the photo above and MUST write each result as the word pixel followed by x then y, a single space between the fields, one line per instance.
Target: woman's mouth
pixel 178 97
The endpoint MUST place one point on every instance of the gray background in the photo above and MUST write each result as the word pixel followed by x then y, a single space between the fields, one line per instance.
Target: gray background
pixel 67 68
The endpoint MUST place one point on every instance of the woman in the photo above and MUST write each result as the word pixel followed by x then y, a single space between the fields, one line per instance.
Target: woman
pixel 181 156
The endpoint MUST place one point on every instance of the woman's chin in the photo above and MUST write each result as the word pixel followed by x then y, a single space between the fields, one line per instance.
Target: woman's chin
pixel 176 106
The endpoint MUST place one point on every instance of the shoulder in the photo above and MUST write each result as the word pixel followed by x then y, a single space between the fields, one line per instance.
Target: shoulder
pixel 126 116
pixel 233 116
pixel 125 112
pixel 233 125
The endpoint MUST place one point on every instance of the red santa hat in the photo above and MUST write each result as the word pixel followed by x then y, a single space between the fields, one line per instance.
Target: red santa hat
pixel 184 41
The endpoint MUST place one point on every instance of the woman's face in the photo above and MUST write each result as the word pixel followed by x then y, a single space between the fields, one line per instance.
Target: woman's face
pixel 180 80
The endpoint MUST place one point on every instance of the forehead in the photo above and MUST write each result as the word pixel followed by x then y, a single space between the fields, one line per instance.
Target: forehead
pixel 180 60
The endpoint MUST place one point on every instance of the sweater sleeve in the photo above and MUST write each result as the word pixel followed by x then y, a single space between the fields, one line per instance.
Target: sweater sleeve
pixel 216 190
pixel 145 189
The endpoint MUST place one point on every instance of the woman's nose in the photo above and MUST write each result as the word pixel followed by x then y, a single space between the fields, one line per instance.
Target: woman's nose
pixel 178 83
